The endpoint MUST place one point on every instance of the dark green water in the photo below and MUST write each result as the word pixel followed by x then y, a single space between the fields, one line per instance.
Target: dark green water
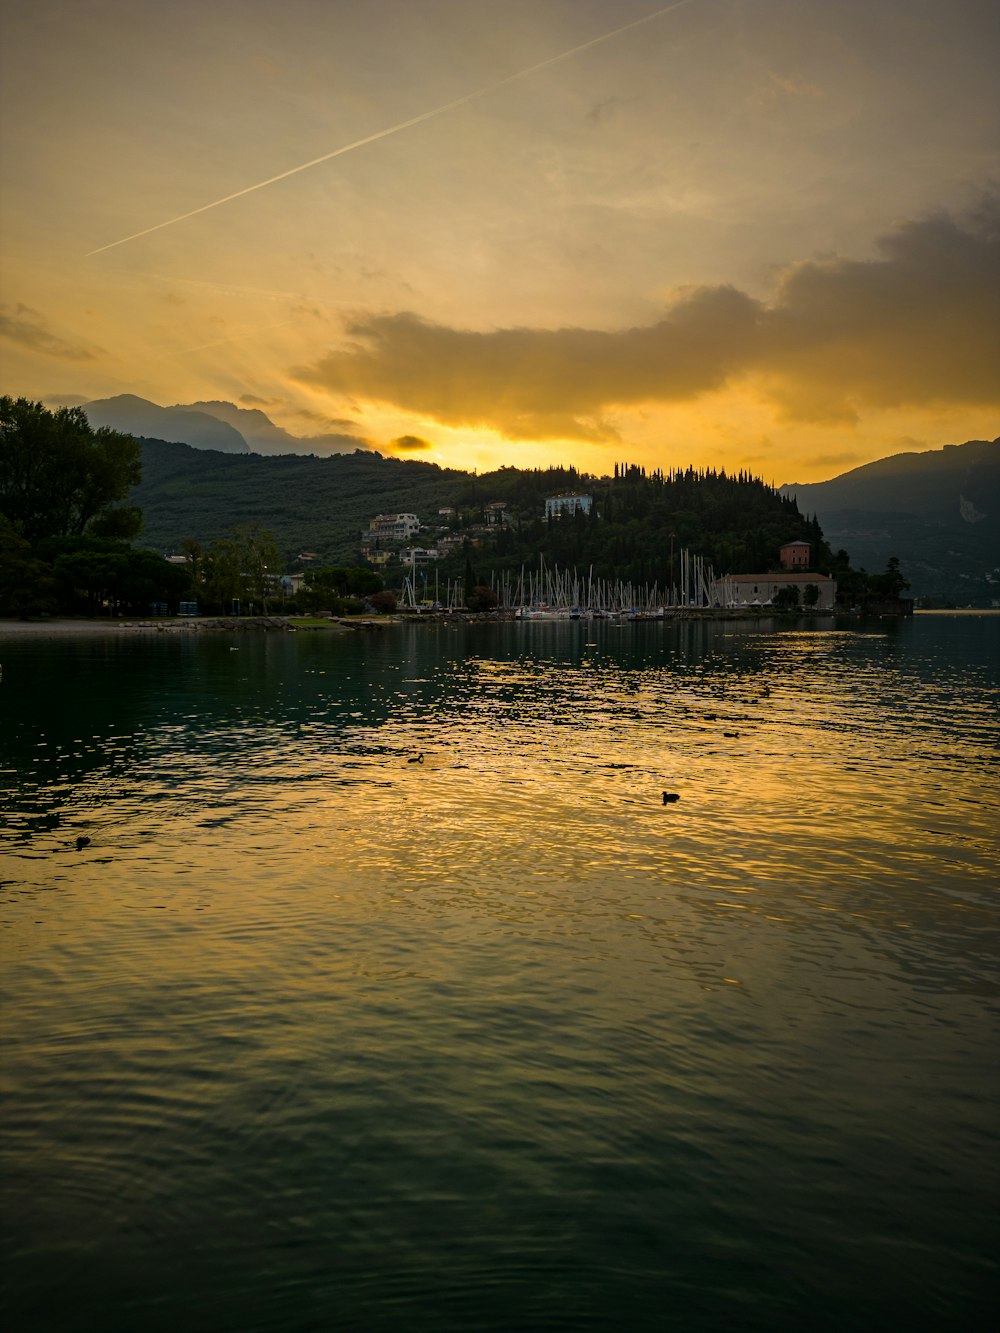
pixel 314 1037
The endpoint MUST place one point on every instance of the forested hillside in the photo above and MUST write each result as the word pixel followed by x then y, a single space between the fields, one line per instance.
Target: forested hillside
pixel 938 511
pixel 306 503
pixel 324 504
pixel 639 520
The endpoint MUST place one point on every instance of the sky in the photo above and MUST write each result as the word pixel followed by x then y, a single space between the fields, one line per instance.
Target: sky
pixel 758 234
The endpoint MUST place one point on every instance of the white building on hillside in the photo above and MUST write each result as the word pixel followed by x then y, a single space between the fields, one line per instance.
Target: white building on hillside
pixel 558 505
pixel 394 527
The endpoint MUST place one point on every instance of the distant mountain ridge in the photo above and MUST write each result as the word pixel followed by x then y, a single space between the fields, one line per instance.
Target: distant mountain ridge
pixel 264 437
pixel 216 424
pixel 138 416
pixel 938 511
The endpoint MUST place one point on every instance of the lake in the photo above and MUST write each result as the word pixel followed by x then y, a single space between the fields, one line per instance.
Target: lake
pixel 389 994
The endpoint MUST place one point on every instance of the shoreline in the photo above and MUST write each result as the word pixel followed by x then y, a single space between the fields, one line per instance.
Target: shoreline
pixel 67 627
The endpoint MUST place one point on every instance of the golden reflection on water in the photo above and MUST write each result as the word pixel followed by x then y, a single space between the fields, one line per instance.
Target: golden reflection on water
pixel 386 959
pixel 527 789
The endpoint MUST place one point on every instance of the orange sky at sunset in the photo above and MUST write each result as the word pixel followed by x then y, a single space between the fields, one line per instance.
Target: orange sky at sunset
pixel 740 233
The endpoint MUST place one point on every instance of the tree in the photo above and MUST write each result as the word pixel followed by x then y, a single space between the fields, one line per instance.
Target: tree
pixel 810 595
pixel 242 566
pixel 384 603
pixel 481 599
pixel 788 596
pixel 345 580
pixel 61 478
pixel 26 584
pixel 335 588
pixel 93 571
pixel 890 585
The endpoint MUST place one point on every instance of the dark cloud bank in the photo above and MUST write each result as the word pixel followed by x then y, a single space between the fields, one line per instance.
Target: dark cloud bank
pixel 917 325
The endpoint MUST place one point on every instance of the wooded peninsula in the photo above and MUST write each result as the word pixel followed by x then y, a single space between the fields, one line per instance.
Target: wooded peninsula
pixel 88 517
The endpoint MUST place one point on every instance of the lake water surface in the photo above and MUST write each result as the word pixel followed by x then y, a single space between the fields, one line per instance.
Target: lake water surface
pixel 313 1035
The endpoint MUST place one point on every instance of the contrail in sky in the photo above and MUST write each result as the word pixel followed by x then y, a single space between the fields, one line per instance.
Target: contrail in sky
pixel 403 125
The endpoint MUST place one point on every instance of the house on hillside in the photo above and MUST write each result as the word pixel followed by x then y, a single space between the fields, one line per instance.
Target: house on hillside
pixel 394 527
pixel 557 505
pixel 796 555
pixel 454 542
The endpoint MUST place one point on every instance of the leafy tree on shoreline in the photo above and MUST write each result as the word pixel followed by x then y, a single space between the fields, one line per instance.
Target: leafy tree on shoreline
pixel 27 587
pixel 92 574
pixel 61 478
pixel 242 567
pixel 338 588
pixel 481 599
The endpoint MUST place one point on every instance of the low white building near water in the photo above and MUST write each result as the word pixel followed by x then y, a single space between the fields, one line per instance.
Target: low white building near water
pixel 762 589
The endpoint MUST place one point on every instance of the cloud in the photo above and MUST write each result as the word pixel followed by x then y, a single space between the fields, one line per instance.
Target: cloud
pixel 606 109
pixel 409 444
pixel 539 383
pixel 916 325
pixel 57 400
pixel 28 328
pixel 342 424
pixel 779 88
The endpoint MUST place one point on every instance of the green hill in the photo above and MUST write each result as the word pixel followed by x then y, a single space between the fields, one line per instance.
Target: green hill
pixel 307 503
pixel 324 504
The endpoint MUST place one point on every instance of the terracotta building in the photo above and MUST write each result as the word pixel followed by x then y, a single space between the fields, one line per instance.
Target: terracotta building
pixel 795 555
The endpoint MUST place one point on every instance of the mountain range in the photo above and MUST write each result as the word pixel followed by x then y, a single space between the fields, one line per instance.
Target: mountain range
pixel 214 425
pixel 938 512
